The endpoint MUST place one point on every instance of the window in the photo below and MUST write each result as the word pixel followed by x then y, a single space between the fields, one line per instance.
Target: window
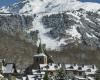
pixel 80 73
pixel 37 59
pixel 56 66
pixel 71 67
pixel 88 70
pixel 40 59
pixel 79 68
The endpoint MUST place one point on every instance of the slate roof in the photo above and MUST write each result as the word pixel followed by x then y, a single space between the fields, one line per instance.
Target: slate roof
pixel 8 68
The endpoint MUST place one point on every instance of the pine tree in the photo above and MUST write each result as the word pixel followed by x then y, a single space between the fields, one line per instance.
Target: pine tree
pixel 97 76
pixel 62 74
pixel 39 49
pixel 46 76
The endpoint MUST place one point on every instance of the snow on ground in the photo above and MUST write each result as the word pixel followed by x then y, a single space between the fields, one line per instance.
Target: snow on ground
pixel 51 6
pixel 32 7
pixel 75 15
pixel 73 32
pixel 50 43
pixel 91 35
pixel 4 10
pixel 48 7
pixel 37 6
pixel 88 19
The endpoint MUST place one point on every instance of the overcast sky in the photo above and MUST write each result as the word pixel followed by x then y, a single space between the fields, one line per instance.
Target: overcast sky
pixel 8 2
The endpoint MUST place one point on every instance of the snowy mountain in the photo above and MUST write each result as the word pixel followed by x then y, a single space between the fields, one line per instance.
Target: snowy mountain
pixel 60 22
pixel 38 6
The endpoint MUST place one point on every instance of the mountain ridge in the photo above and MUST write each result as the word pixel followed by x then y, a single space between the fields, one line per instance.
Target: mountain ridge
pixel 61 22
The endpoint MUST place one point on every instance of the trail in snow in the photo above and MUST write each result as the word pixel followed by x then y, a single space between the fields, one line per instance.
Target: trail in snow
pixel 37 25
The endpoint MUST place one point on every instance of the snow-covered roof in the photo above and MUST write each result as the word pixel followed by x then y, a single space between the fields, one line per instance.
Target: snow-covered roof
pixel 80 78
pixel 40 54
pixel 20 79
pixel 23 78
pixel 50 67
pixel 34 77
pixel 8 68
pixel 31 77
pixel 91 78
pixel 88 69
pixel 91 71
pixel 37 72
pixel 1 76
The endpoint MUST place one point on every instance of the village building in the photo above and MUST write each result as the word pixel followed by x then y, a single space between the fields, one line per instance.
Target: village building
pixel 81 72
pixel 41 66
pixel 78 72
pixel 7 70
pixel 51 68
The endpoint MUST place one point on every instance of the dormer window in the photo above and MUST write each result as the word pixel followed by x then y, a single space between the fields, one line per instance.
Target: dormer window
pixel 93 66
pixel 71 67
pixel 82 65
pixel 56 66
pixel 79 68
pixel 88 70
pixel 47 67
pixel 74 64
pixel 38 71
pixel 38 67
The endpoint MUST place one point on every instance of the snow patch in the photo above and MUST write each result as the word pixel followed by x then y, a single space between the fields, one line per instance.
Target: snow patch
pixel 91 36
pixel 73 32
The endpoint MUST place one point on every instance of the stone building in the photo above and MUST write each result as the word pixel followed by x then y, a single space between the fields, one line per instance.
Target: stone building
pixel 40 57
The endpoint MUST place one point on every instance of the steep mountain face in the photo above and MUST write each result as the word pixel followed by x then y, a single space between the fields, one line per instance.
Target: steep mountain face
pixel 58 23
pixel 80 25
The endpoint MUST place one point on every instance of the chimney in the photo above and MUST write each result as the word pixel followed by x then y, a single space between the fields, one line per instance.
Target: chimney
pixel 93 66
pixel 74 64
pixel 58 64
pixel 3 62
pixel 82 65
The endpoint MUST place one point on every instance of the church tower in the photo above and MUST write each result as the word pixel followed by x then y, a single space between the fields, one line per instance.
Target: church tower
pixel 40 57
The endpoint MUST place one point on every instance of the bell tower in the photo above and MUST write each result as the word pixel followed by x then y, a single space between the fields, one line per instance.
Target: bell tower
pixel 40 57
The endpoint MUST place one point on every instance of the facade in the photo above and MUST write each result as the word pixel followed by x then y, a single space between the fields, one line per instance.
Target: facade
pixel 40 59
pixel 81 71
pixel 76 71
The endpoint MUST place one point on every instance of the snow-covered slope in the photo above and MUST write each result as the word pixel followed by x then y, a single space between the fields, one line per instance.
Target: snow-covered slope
pixel 4 10
pixel 37 6
pixel 60 22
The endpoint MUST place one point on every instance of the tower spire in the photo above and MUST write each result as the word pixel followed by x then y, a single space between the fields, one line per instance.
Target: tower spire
pixel 40 49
